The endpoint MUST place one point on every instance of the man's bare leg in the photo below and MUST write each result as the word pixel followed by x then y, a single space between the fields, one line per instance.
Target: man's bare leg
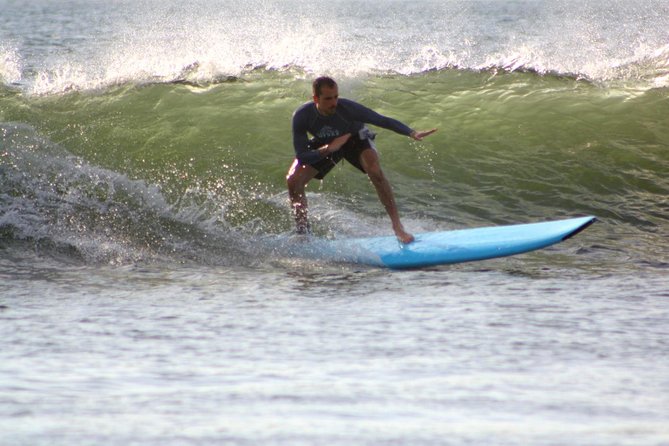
pixel 297 178
pixel 370 162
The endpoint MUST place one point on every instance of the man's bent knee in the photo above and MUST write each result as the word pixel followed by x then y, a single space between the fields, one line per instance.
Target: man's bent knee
pixel 369 159
pixel 298 176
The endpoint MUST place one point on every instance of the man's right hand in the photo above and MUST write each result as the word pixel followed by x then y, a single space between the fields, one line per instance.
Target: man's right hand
pixel 337 144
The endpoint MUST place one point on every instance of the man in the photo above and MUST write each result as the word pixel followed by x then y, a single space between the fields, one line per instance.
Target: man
pixel 338 131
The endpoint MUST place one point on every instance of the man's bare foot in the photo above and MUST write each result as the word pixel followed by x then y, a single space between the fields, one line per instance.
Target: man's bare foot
pixel 403 236
pixel 303 228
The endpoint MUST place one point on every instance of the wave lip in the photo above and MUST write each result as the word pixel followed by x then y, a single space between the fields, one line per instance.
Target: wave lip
pixel 648 72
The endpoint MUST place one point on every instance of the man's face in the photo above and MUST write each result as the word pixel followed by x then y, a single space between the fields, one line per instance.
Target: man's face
pixel 327 101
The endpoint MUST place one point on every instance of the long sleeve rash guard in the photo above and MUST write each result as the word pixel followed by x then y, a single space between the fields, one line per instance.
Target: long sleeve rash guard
pixel 349 117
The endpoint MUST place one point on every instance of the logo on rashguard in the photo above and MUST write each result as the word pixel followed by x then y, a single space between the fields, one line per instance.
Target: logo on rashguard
pixel 327 132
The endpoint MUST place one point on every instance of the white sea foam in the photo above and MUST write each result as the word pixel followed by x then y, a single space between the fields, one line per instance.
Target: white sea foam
pixel 10 65
pixel 205 42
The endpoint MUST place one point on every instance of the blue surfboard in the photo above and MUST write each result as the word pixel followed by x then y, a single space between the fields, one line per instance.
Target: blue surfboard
pixel 439 248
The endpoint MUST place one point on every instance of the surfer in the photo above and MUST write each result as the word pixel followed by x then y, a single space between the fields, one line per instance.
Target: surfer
pixel 337 129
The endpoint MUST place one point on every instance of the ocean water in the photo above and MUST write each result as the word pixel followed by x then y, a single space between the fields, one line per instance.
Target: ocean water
pixel 143 152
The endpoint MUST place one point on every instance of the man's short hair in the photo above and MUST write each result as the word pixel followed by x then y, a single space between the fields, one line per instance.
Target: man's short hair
pixel 320 82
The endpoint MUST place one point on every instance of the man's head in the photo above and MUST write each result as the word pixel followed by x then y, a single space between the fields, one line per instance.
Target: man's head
pixel 326 94
pixel 323 81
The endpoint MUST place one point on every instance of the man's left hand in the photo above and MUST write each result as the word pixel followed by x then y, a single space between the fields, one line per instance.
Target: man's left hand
pixel 418 136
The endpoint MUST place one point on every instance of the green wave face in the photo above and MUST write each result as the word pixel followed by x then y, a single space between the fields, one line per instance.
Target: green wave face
pixel 160 167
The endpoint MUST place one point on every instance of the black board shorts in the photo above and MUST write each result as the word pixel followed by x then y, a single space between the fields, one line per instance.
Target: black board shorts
pixel 350 151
